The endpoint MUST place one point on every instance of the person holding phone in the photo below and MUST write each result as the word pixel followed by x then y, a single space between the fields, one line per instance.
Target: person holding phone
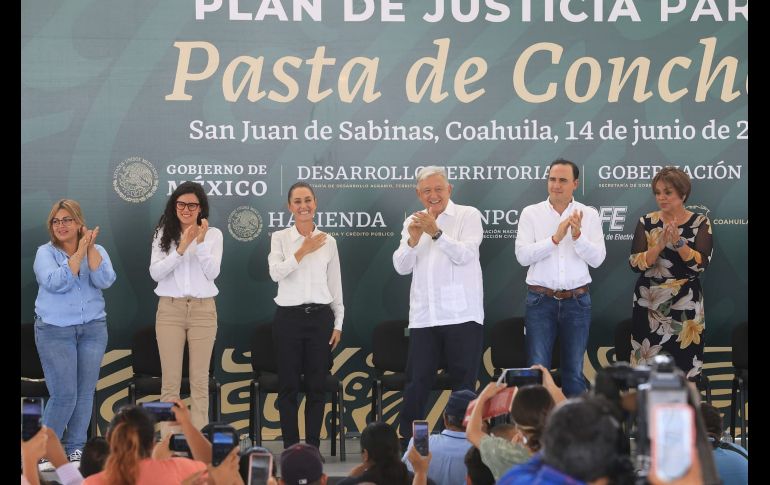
pixel 449 447
pixel 530 409
pixel 382 462
pixel 71 321
pixel 136 459
pixel 185 261
pixel 580 445
pixel 440 248
pixel 307 326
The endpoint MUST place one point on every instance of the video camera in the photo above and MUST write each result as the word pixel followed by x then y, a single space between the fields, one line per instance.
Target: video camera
pixel 663 421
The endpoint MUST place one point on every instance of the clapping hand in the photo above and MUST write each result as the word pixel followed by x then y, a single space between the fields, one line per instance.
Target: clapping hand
pixel 202 230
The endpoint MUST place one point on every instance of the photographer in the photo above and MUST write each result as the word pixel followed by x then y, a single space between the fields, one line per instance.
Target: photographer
pixel 661 410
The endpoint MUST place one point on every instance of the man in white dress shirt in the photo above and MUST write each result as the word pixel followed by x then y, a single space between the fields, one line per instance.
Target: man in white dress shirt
pixel 559 239
pixel 440 248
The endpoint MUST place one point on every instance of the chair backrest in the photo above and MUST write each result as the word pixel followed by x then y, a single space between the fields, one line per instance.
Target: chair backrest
pixel 262 353
pixel 507 343
pixel 30 359
pixel 623 341
pixel 740 342
pixel 145 358
pixel 390 347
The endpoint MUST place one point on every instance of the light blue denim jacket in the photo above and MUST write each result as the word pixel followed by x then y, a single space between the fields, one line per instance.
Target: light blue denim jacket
pixel 64 299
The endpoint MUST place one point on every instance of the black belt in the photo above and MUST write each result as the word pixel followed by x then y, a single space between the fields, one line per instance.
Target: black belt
pixel 308 307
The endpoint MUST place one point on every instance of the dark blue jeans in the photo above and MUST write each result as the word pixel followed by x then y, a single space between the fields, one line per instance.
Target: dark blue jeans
pixel 459 345
pixel 546 317
pixel 71 358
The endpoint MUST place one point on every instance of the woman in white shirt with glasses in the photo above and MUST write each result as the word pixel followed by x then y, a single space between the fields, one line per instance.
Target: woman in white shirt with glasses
pixel 186 255
pixel 308 321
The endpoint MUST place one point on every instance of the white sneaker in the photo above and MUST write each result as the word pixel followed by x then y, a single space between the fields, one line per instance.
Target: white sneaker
pixel 75 456
pixel 45 466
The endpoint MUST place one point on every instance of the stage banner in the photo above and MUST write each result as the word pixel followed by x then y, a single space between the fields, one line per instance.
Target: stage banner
pixel 123 101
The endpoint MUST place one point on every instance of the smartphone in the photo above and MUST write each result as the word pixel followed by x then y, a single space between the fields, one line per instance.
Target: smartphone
pixel 178 442
pixel 31 416
pixel 520 377
pixel 420 435
pixel 260 468
pixel 672 433
pixel 222 442
pixel 160 410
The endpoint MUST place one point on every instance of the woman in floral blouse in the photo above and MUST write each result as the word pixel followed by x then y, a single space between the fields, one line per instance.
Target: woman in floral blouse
pixel 671 248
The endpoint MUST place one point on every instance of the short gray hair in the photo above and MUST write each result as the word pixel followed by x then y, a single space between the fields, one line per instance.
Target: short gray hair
pixel 426 172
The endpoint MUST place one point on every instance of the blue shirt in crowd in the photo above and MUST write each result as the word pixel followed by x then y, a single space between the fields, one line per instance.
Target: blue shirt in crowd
pixel 64 299
pixel 732 465
pixel 535 471
pixel 447 465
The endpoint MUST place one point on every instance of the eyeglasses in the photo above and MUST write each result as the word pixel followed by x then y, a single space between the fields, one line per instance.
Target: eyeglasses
pixel 67 221
pixel 191 206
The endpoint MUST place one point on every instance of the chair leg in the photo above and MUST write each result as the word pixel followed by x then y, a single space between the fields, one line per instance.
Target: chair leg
pixel 742 414
pixel 93 429
pixel 745 394
pixel 214 397
pixel 708 389
pixel 341 404
pixel 379 400
pixel 132 393
pixel 373 414
pixel 255 410
pixel 733 398
pixel 333 430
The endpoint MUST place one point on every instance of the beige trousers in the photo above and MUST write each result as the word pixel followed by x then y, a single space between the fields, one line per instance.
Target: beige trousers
pixel 193 320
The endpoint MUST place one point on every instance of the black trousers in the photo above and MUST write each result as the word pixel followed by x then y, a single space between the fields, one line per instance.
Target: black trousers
pixel 301 344
pixel 459 345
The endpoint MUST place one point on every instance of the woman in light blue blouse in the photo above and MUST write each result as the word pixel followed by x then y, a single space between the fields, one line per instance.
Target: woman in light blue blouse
pixel 70 322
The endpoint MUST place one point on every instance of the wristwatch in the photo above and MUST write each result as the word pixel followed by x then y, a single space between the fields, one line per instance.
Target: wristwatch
pixel 437 235
pixel 679 243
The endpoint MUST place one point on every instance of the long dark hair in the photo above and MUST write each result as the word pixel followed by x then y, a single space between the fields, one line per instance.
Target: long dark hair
pixel 381 443
pixel 169 222
pixel 131 436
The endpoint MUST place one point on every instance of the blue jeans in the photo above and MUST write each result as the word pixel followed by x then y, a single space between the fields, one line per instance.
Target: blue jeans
pixel 71 358
pixel 570 318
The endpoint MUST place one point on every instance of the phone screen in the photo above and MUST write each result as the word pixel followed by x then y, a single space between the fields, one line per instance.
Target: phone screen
pixel 160 410
pixel 31 416
pixel 673 440
pixel 260 468
pixel 178 442
pixel 521 377
pixel 420 435
pixel 222 443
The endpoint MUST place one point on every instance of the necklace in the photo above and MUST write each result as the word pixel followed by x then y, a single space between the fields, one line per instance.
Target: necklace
pixel 679 220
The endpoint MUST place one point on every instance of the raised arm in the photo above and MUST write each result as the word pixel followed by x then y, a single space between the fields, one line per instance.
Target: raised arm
pixel 466 246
